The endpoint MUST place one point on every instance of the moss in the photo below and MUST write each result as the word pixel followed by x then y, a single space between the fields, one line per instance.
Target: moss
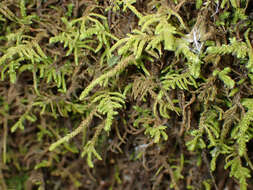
pixel 126 94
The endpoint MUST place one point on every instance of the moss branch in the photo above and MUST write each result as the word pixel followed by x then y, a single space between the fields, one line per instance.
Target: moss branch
pixel 122 65
pixel 74 133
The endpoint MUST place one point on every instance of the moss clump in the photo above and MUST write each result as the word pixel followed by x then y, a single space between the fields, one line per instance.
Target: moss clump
pixel 126 94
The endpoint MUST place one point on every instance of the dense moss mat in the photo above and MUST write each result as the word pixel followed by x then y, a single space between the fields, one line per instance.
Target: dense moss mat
pixel 126 94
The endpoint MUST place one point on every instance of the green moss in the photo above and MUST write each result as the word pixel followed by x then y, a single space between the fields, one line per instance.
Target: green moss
pixel 142 77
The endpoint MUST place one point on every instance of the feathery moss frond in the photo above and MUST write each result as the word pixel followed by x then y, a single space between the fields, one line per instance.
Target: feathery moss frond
pixel 108 103
pixel 117 69
pixel 156 132
pixel 79 129
pixel 182 81
pixel 224 77
pixel 85 33
pixel 241 131
pixel 236 48
pixel 238 171
pixel 15 55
